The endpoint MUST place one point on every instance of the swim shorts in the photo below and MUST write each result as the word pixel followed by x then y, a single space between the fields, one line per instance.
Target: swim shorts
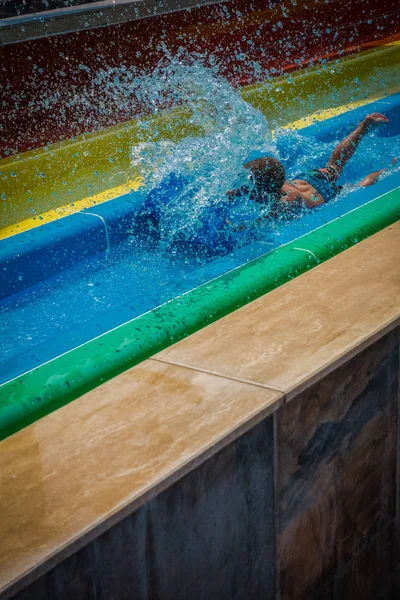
pixel 323 180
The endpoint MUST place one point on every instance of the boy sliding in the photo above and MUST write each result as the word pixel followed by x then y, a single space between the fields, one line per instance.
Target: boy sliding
pixel 314 187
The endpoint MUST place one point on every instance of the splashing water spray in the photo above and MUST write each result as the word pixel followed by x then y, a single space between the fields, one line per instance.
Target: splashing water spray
pixel 230 132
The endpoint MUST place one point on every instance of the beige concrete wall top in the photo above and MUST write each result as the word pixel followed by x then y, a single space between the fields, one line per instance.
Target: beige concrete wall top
pixel 69 476
pixel 299 332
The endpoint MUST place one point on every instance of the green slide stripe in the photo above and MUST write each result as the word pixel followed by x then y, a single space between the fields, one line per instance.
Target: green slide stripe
pixel 54 384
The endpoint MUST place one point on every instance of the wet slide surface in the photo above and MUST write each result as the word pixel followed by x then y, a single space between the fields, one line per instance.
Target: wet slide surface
pixel 113 287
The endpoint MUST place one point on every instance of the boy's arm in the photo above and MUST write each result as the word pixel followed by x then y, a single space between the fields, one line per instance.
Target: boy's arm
pixel 238 192
pixel 345 150
pixel 373 177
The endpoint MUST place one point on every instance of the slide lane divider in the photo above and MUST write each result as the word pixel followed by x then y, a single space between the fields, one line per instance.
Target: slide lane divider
pixel 40 253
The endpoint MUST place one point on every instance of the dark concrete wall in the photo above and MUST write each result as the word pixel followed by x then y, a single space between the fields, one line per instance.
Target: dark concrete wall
pixel 336 482
pixel 301 507
pixel 210 536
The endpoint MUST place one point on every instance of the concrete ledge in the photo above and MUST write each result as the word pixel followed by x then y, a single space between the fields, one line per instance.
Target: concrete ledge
pixel 187 455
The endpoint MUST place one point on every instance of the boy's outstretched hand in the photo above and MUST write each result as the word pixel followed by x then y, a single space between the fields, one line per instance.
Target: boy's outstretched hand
pixel 373 177
pixel 375 119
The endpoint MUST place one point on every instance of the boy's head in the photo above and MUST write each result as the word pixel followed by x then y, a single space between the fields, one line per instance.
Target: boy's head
pixel 268 173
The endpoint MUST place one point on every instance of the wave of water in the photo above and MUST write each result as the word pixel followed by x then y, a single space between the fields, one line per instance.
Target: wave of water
pixel 232 131
pixel 229 132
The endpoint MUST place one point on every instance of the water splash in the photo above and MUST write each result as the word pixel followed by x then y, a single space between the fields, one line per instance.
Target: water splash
pixel 231 132
pixel 222 132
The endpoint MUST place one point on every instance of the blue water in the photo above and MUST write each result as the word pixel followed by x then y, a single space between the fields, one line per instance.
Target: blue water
pixel 113 287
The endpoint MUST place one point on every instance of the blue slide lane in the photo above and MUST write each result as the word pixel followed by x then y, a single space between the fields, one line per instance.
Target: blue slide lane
pixel 35 255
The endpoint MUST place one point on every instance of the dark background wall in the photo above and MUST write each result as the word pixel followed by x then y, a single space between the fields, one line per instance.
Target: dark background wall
pixel 41 78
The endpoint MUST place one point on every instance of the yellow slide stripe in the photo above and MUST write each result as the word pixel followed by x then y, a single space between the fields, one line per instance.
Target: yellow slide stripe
pixel 133 185
pixel 69 176
pixel 328 113
pixel 70 209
